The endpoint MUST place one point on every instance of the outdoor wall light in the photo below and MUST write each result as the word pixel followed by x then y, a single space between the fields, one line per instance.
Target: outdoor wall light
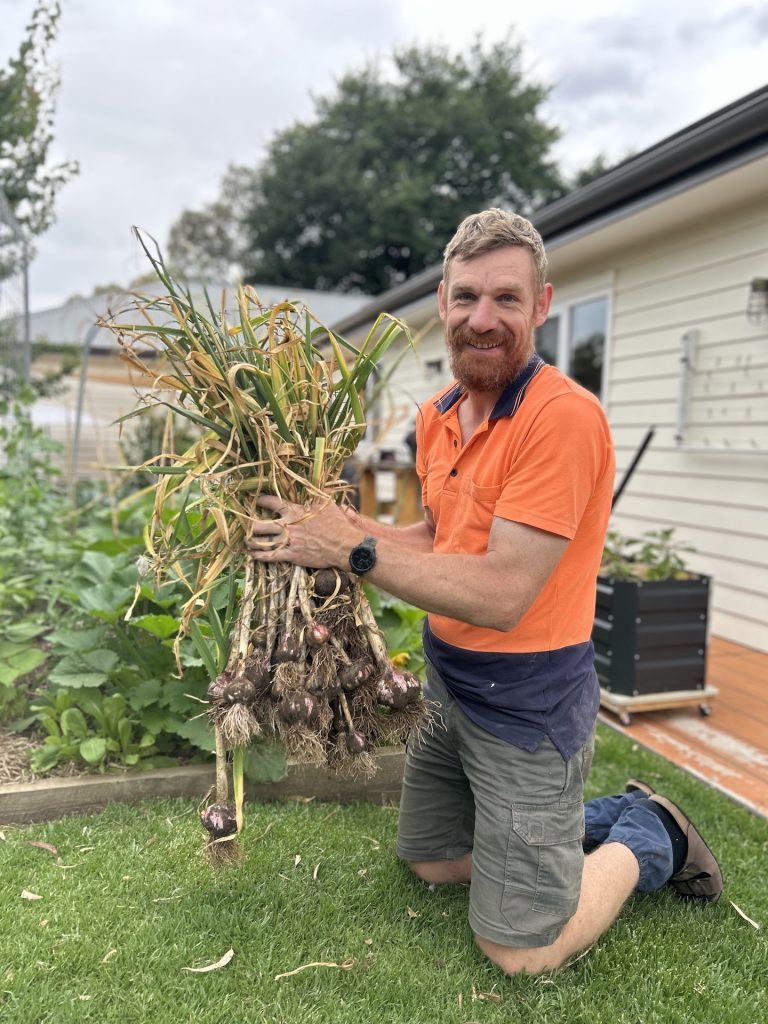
pixel 757 303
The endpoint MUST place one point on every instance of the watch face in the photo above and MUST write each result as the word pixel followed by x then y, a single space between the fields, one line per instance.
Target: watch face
pixel 362 558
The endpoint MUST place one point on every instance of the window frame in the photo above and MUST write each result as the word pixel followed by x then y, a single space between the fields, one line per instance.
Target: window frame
pixel 562 309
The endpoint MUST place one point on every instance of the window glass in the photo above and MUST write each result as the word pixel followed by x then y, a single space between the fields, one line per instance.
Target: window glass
pixel 587 343
pixel 546 339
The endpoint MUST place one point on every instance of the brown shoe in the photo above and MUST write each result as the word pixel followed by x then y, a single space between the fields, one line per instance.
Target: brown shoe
pixel 700 877
pixel 639 784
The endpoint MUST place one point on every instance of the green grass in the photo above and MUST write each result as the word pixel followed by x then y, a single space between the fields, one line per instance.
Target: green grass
pixel 131 880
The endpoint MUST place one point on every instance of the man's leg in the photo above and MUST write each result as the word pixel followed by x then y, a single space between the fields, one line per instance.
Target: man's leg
pixel 652 843
pixel 437 810
pixel 610 876
pixel 444 872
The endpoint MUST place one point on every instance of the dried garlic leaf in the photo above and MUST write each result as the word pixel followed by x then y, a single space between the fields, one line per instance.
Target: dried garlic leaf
pixel 212 967
pixel 345 965
pixel 741 913
pixel 413 913
pixel 44 846
pixel 27 895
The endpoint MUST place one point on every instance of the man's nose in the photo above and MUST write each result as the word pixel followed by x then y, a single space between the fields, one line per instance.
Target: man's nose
pixel 484 316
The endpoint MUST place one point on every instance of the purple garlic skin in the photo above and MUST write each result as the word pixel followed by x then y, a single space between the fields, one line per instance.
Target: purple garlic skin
pixel 356 742
pixel 239 691
pixel 330 581
pixel 317 635
pixel 288 650
pixel 217 686
pixel 219 821
pixel 300 709
pixel 353 676
pixel 393 692
pixel 257 672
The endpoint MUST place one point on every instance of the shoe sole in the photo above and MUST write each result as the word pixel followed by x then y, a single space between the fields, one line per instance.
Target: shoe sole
pixel 639 784
pixel 700 877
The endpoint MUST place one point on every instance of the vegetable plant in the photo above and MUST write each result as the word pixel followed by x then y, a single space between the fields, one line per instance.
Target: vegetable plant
pixel 654 555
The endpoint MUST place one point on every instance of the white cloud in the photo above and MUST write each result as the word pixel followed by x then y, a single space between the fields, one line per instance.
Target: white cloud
pixel 159 96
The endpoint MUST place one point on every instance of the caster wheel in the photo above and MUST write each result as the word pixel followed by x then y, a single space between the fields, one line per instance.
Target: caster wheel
pixel 705 709
pixel 625 718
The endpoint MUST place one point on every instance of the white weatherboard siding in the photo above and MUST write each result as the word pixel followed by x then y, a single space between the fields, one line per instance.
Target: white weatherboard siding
pixel 698 278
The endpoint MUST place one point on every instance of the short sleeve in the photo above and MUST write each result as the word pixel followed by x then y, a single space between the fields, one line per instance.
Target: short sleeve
pixel 566 452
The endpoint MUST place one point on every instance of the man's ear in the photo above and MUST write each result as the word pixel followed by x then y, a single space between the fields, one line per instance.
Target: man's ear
pixel 442 308
pixel 543 302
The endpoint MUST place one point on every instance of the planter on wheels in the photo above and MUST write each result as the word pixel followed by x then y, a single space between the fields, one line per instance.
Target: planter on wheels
pixel 651 636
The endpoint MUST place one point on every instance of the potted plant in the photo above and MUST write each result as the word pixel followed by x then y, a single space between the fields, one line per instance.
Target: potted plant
pixel 650 629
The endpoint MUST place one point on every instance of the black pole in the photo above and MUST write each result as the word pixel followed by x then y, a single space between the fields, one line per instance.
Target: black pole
pixel 632 466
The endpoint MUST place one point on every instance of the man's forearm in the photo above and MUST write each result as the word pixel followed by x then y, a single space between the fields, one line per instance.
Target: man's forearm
pixel 465 587
pixel 417 535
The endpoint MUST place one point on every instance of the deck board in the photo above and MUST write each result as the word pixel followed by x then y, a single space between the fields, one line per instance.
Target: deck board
pixel 728 749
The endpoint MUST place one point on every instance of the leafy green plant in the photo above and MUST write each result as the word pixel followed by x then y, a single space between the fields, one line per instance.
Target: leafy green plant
pixel 401 624
pixel 654 555
pixel 91 728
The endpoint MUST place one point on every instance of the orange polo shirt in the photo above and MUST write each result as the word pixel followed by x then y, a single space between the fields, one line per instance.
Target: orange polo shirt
pixel 544 458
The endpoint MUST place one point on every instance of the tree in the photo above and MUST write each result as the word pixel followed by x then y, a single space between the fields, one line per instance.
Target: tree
pixel 368 192
pixel 208 243
pixel 28 89
pixel 599 166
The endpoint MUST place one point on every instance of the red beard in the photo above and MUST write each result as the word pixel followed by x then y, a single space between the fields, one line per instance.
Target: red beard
pixel 478 373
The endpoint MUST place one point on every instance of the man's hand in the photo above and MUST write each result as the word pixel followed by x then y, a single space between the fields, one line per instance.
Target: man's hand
pixel 317 536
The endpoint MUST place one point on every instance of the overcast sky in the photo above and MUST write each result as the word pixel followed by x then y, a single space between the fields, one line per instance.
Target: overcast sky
pixel 159 96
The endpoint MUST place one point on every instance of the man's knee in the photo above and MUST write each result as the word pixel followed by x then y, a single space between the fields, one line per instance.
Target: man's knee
pixel 513 960
pixel 443 872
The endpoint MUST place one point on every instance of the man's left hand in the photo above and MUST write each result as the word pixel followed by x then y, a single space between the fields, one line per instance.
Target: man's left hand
pixel 317 536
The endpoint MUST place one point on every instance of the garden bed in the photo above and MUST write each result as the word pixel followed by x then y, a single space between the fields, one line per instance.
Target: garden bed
pixel 47 799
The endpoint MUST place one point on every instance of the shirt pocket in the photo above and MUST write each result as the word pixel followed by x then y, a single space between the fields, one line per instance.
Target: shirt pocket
pixel 485 495
pixel 475 517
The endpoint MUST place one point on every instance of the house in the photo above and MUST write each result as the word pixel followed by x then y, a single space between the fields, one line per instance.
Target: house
pixel 660 273
pixel 102 389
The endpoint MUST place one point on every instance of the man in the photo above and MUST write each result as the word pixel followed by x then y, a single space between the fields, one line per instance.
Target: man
pixel 517 470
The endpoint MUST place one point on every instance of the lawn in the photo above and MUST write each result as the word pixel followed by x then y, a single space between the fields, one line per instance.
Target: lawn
pixel 127 903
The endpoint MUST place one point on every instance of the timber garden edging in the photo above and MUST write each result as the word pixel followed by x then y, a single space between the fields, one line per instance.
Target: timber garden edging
pixel 22 803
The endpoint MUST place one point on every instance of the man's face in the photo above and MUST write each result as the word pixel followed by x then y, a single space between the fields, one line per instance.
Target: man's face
pixel 490 308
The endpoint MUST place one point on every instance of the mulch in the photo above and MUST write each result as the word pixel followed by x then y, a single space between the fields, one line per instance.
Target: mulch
pixel 14 757
pixel 14 760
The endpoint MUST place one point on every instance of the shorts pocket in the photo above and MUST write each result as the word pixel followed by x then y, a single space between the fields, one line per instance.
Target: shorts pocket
pixel 545 860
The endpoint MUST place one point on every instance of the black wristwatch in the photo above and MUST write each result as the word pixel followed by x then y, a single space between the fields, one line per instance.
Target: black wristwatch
pixel 362 557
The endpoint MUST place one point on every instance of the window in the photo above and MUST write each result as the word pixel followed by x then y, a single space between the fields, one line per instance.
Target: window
pixel 434 369
pixel 573 338
pixel 546 339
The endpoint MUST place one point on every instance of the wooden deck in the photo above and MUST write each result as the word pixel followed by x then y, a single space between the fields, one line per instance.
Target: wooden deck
pixel 729 748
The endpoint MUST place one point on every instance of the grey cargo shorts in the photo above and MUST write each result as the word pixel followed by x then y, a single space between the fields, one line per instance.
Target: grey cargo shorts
pixel 519 813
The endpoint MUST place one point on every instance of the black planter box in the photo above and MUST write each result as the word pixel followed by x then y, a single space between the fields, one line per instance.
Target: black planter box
pixel 651 637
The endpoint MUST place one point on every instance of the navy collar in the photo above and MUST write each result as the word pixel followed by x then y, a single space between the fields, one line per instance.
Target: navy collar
pixel 509 400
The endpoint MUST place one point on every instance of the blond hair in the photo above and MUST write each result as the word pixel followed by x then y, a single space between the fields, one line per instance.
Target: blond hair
pixel 493 229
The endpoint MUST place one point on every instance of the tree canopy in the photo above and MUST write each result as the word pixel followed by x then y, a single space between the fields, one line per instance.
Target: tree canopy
pixel 28 87
pixel 369 191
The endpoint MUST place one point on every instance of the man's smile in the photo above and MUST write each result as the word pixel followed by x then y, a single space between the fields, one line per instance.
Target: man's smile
pixel 485 344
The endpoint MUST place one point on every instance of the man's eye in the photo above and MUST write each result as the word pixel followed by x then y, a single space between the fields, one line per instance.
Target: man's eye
pixel 507 298
pixel 464 297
